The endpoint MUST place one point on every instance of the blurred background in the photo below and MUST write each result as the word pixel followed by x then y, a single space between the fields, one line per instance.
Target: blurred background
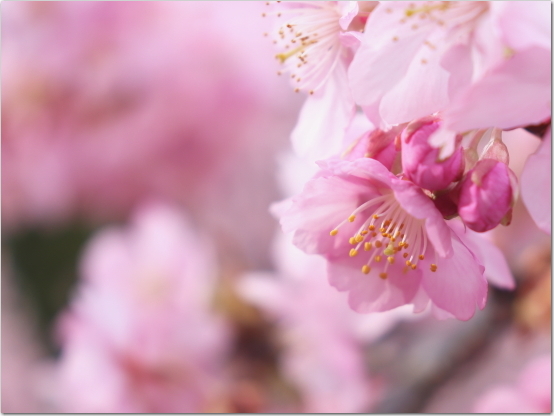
pixel 142 145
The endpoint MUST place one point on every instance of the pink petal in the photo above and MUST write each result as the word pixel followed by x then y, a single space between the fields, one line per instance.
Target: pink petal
pixel 524 24
pixel 324 118
pixel 496 268
pixel 324 203
pixel 457 61
pixel 515 93
pixel 536 185
pixel 458 286
pixel 387 50
pixel 413 98
pixel 417 204
pixel 370 293
pixel 348 10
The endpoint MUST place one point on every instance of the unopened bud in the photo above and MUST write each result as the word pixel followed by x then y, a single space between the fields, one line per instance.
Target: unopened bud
pixel 487 195
pixel 420 161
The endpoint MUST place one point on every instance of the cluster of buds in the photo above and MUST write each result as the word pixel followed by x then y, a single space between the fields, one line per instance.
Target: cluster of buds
pixel 481 190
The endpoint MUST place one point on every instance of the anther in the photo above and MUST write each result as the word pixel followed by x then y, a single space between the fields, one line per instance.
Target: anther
pixel 352 240
pixel 389 251
pixel 378 243
pixel 334 232
pixel 433 267
pixel 421 257
pixel 364 232
pixel 359 238
pixel 377 259
pixel 383 275
pixel 353 252
pixel 413 266
pixel 366 269
pixel 367 246
pixel 375 216
pixel 405 255
pixel 390 259
pixel 408 263
pixel 352 218
pixel 371 227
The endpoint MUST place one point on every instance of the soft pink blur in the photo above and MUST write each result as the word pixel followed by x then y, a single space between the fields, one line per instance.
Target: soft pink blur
pixel 106 103
pixel 140 334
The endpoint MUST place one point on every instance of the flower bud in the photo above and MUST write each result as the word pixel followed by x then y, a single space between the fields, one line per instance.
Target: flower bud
pixel 376 144
pixel 487 195
pixel 420 161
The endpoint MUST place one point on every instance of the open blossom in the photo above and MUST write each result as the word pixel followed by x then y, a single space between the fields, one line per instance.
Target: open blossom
pixel 485 64
pixel 317 42
pixel 532 393
pixel 385 241
pixel 140 335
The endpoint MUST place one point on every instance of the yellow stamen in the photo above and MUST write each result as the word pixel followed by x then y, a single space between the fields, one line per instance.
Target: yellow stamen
pixel 367 246
pixel 366 269
pixel 353 252
pixel 389 251
pixel 352 218
pixel 286 55
pixel 383 275
pixel 334 232
pixel 421 257
pixel 378 244
pixel 390 260
pixel 359 238
pixel 377 259
pixel 433 267
pixel 352 240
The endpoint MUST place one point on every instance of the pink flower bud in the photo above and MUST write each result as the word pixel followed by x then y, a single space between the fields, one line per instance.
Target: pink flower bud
pixel 420 161
pixel 377 144
pixel 487 195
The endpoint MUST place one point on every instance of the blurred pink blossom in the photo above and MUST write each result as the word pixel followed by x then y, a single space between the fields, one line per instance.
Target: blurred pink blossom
pixel 140 335
pixel 107 103
pixel 536 184
pixel 322 337
pixel 532 393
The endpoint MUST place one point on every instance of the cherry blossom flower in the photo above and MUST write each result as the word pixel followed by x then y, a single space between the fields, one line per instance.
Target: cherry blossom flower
pixel 140 335
pixel 385 241
pixel 317 42
pixel 485 64
pixel 532 393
